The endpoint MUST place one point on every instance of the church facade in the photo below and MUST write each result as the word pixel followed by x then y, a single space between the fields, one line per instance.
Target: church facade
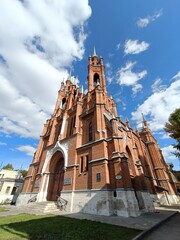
pixel 91 160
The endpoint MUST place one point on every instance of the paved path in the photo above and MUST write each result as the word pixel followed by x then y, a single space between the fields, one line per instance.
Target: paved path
pixel 143 222
pixel 169 230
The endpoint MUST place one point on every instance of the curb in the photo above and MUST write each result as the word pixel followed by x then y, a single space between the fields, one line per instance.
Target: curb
pixel 146 232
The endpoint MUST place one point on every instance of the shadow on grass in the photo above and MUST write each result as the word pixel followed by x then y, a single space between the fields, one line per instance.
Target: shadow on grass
pixel 33 227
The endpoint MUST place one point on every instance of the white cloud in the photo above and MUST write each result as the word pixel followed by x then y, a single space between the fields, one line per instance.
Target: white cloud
pixel 135 47
pixel 162 134
pixel 165 136
pixel 108 65
pixel 3 144
pixel 144 22
pixel 111 55
pixel 157 86
pixel 27 149
pixel 176 77
pixel 44 39
pixel 109 73
pixel 109 79
pixel 126 77
pixel 168 153
pixel 160 105
pixel 118 46
pixel 136 88
pixel 18 112
pixel 85 91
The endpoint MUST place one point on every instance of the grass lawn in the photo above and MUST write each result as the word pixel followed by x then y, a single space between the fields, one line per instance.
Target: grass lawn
pixel 2 209
pixel 26 226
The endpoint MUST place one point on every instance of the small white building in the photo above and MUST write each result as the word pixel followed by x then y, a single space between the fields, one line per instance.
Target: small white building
pixel 11 182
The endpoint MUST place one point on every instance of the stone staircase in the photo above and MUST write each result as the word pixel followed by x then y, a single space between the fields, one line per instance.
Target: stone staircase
pixel 40 207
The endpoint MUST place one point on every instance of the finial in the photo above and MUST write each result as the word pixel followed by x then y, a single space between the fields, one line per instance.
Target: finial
pixel 127 124
pixel 143 117
pixel 144 120
pixel 94 54
pixel 137 131
pixel 69 77
pixel 75 80
pixel 82 90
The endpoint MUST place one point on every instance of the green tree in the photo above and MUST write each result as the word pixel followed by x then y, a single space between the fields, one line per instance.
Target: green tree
pixel 23 172
pixel 173 128
pixel 9 166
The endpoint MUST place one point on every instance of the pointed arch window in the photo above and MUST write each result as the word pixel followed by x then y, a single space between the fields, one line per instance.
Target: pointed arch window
pixel 96 79
pixel 84 161
pixel 63 103
pixel 130 162
pixel 75 94
pixel 81 165
pixel 72 125
pixel 87 162
pixel 90 131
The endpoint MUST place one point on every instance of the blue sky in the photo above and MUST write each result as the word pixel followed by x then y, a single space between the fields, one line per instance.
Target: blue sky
pixel 41 40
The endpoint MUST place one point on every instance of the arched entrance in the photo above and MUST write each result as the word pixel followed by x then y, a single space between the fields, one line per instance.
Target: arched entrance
pixel 56 178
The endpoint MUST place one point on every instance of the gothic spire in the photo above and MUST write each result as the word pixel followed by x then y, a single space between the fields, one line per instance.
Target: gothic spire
pixel 82 90
pixel 144 120
pixel 69 76
pixel 94 53
pixel 127 123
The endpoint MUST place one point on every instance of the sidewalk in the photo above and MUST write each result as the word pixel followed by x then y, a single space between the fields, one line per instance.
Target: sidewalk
pixel 143 222
pixel 169 230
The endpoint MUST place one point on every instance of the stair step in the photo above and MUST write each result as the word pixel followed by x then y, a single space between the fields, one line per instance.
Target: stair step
pixel 42 206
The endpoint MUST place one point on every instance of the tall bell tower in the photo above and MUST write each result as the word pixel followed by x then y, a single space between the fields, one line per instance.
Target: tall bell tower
pixel 96 74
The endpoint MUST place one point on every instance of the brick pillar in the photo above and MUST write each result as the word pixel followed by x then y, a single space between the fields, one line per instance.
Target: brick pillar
pixel 125 172
pixel 159 167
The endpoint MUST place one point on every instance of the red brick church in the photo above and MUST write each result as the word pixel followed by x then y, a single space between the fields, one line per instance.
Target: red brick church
pixel 92 160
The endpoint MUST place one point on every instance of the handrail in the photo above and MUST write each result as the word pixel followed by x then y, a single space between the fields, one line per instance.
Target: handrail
pixel 61 203
pixel 33 199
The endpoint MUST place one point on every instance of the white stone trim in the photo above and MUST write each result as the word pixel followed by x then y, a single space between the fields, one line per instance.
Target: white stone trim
pixel 165 198
pixel 43 194
pixel 63 125
pixel 97 160
pixel 58 147
pixel 51 152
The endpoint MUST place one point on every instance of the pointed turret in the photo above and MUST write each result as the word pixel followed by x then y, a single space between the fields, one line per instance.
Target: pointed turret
pixel 69 76
pixel 82 89
pixel 137 131
pixel 94 53
pixel 62 84
pixel 127 123
pixel 144 120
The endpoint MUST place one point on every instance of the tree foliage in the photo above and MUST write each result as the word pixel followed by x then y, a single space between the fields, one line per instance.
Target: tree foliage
pixel 176 174
pixel 9 166
pixel 173 128
pixel 23 172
